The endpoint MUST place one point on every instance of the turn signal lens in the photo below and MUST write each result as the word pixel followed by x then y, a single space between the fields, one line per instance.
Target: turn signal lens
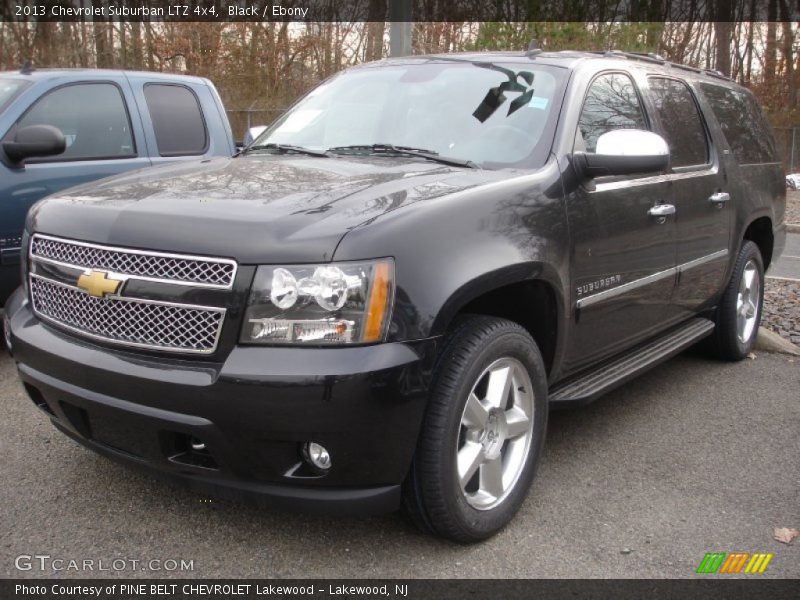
pixel 378 303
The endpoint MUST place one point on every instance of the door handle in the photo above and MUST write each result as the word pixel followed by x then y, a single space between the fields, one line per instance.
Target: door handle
pixel 719 198
pixel 661 210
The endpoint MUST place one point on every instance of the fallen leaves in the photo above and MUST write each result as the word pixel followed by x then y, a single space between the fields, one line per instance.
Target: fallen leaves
pixel 751 356
pixel 785 535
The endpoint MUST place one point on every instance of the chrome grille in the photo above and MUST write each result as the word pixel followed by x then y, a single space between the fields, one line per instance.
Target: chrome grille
pixel 141 323
pixel 159 266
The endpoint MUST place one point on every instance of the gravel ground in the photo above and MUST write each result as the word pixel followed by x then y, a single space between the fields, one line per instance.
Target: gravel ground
pixel 782 308
pixel 792 206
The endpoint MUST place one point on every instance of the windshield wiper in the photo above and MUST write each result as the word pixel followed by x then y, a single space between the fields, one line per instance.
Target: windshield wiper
pixel 284 148
pixel 404 151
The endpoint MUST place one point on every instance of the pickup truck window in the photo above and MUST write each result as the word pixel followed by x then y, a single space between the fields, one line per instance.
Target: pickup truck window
pixel 680 120
pixel 177 120
pixel 9 89
pixel 743 124
pixel 93 118
pixel 611 103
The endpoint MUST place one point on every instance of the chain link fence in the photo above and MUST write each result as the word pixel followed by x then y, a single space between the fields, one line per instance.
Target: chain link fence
pixel 788 139
pixel 244 119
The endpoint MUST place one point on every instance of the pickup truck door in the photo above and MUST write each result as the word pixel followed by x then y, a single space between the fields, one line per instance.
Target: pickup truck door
pixel 623 264
pixel 104 137
pixel 699 190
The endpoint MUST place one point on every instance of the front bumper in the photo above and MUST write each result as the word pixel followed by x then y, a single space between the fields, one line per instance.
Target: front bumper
pixel 254 412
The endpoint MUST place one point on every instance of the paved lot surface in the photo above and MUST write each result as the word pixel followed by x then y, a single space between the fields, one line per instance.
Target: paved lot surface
pixel 696 456
pixel 789 263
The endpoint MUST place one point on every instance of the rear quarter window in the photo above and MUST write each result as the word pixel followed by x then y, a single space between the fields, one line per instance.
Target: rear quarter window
pixel 177 119
pixel 741 120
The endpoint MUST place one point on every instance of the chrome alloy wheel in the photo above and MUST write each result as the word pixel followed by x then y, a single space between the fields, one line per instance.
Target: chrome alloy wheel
pixel 495 435
pixel 747 302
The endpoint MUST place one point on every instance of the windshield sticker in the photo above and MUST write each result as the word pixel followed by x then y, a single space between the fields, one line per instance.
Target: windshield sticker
pixel 538 102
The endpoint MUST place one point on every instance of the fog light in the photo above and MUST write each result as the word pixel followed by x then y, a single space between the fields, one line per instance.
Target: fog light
pixel 7 332
pixel 317 456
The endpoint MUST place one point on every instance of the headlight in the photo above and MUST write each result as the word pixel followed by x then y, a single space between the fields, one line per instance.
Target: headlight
pixel 336 303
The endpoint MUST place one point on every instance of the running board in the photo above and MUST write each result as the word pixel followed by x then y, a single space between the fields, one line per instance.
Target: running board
pixel 609 375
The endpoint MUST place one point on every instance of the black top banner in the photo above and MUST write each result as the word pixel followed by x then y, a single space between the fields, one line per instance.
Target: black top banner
pixel 400 10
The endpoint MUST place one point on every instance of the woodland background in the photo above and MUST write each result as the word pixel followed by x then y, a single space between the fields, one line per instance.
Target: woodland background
pixel 260 68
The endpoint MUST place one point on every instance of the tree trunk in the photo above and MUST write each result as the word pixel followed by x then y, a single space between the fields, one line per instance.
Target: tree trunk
pixel 723 27
pixel 771 51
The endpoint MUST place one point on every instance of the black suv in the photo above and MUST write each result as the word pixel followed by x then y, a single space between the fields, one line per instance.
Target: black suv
pixel 376 303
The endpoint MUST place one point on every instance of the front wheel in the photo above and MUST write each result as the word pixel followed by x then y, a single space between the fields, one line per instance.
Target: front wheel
pixel 483 431
pixel 739 311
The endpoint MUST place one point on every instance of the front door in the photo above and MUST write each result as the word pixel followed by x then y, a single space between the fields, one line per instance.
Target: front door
pixel 94 118
pixel 624 255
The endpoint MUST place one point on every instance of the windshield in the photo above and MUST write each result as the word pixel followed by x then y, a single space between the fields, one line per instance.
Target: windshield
pixel 430 106
pixel 9 88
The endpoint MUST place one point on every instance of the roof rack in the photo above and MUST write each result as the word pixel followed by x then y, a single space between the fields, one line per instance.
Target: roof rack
pixel 717 74
pixel 651 57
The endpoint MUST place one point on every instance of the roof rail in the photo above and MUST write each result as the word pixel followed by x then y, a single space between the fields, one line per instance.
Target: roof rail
pixel 651 57
pixel 717 74
pixel 648 57
pixel 685 67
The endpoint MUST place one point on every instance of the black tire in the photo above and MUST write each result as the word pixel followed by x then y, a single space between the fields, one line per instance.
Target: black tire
pixel 433 498
pixel 725 341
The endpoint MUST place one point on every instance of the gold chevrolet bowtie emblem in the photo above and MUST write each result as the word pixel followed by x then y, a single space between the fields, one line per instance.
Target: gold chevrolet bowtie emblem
pixel 97 284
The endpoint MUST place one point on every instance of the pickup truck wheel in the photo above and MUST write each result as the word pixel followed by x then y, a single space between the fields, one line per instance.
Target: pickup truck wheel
pixel 483 431
pixel 739 312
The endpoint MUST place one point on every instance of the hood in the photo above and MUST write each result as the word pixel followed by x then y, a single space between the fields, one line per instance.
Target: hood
pixel 255 209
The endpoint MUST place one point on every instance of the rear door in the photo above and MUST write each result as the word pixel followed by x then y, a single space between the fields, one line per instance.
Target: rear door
pixel 182 120
pixel 624 257
pixel 699 190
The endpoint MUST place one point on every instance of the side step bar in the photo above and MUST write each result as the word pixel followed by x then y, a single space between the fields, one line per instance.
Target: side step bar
pixel 599 380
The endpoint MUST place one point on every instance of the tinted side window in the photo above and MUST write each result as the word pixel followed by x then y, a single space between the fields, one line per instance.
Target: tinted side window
pixel 92 116
pixel 681 122
pixel 611 103
pixel 743 124
pixel 177 119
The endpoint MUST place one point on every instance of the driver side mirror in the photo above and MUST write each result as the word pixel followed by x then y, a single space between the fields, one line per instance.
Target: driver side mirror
pixel 34 141
pixel 624 152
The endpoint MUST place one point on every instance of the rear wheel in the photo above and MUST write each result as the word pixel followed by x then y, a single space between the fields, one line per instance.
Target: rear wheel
pixel 483 431
pixel 739 312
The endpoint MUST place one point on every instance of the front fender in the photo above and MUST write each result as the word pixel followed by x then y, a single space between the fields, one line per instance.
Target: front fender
pixel 451 249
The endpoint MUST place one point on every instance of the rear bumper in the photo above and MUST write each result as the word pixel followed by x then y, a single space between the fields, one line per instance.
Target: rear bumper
pixel 254 412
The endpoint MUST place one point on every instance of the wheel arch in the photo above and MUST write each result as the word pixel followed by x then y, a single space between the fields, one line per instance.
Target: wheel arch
pixel 528 294
pixel 759 231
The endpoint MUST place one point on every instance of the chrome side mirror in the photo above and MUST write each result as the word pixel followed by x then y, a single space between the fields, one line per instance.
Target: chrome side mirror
pixel 624 152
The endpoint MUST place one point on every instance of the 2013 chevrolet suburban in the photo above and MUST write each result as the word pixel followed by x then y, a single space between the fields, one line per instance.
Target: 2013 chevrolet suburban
pixel 375 305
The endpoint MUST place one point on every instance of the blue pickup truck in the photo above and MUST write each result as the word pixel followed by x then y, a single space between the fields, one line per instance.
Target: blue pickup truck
pixel 64 127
